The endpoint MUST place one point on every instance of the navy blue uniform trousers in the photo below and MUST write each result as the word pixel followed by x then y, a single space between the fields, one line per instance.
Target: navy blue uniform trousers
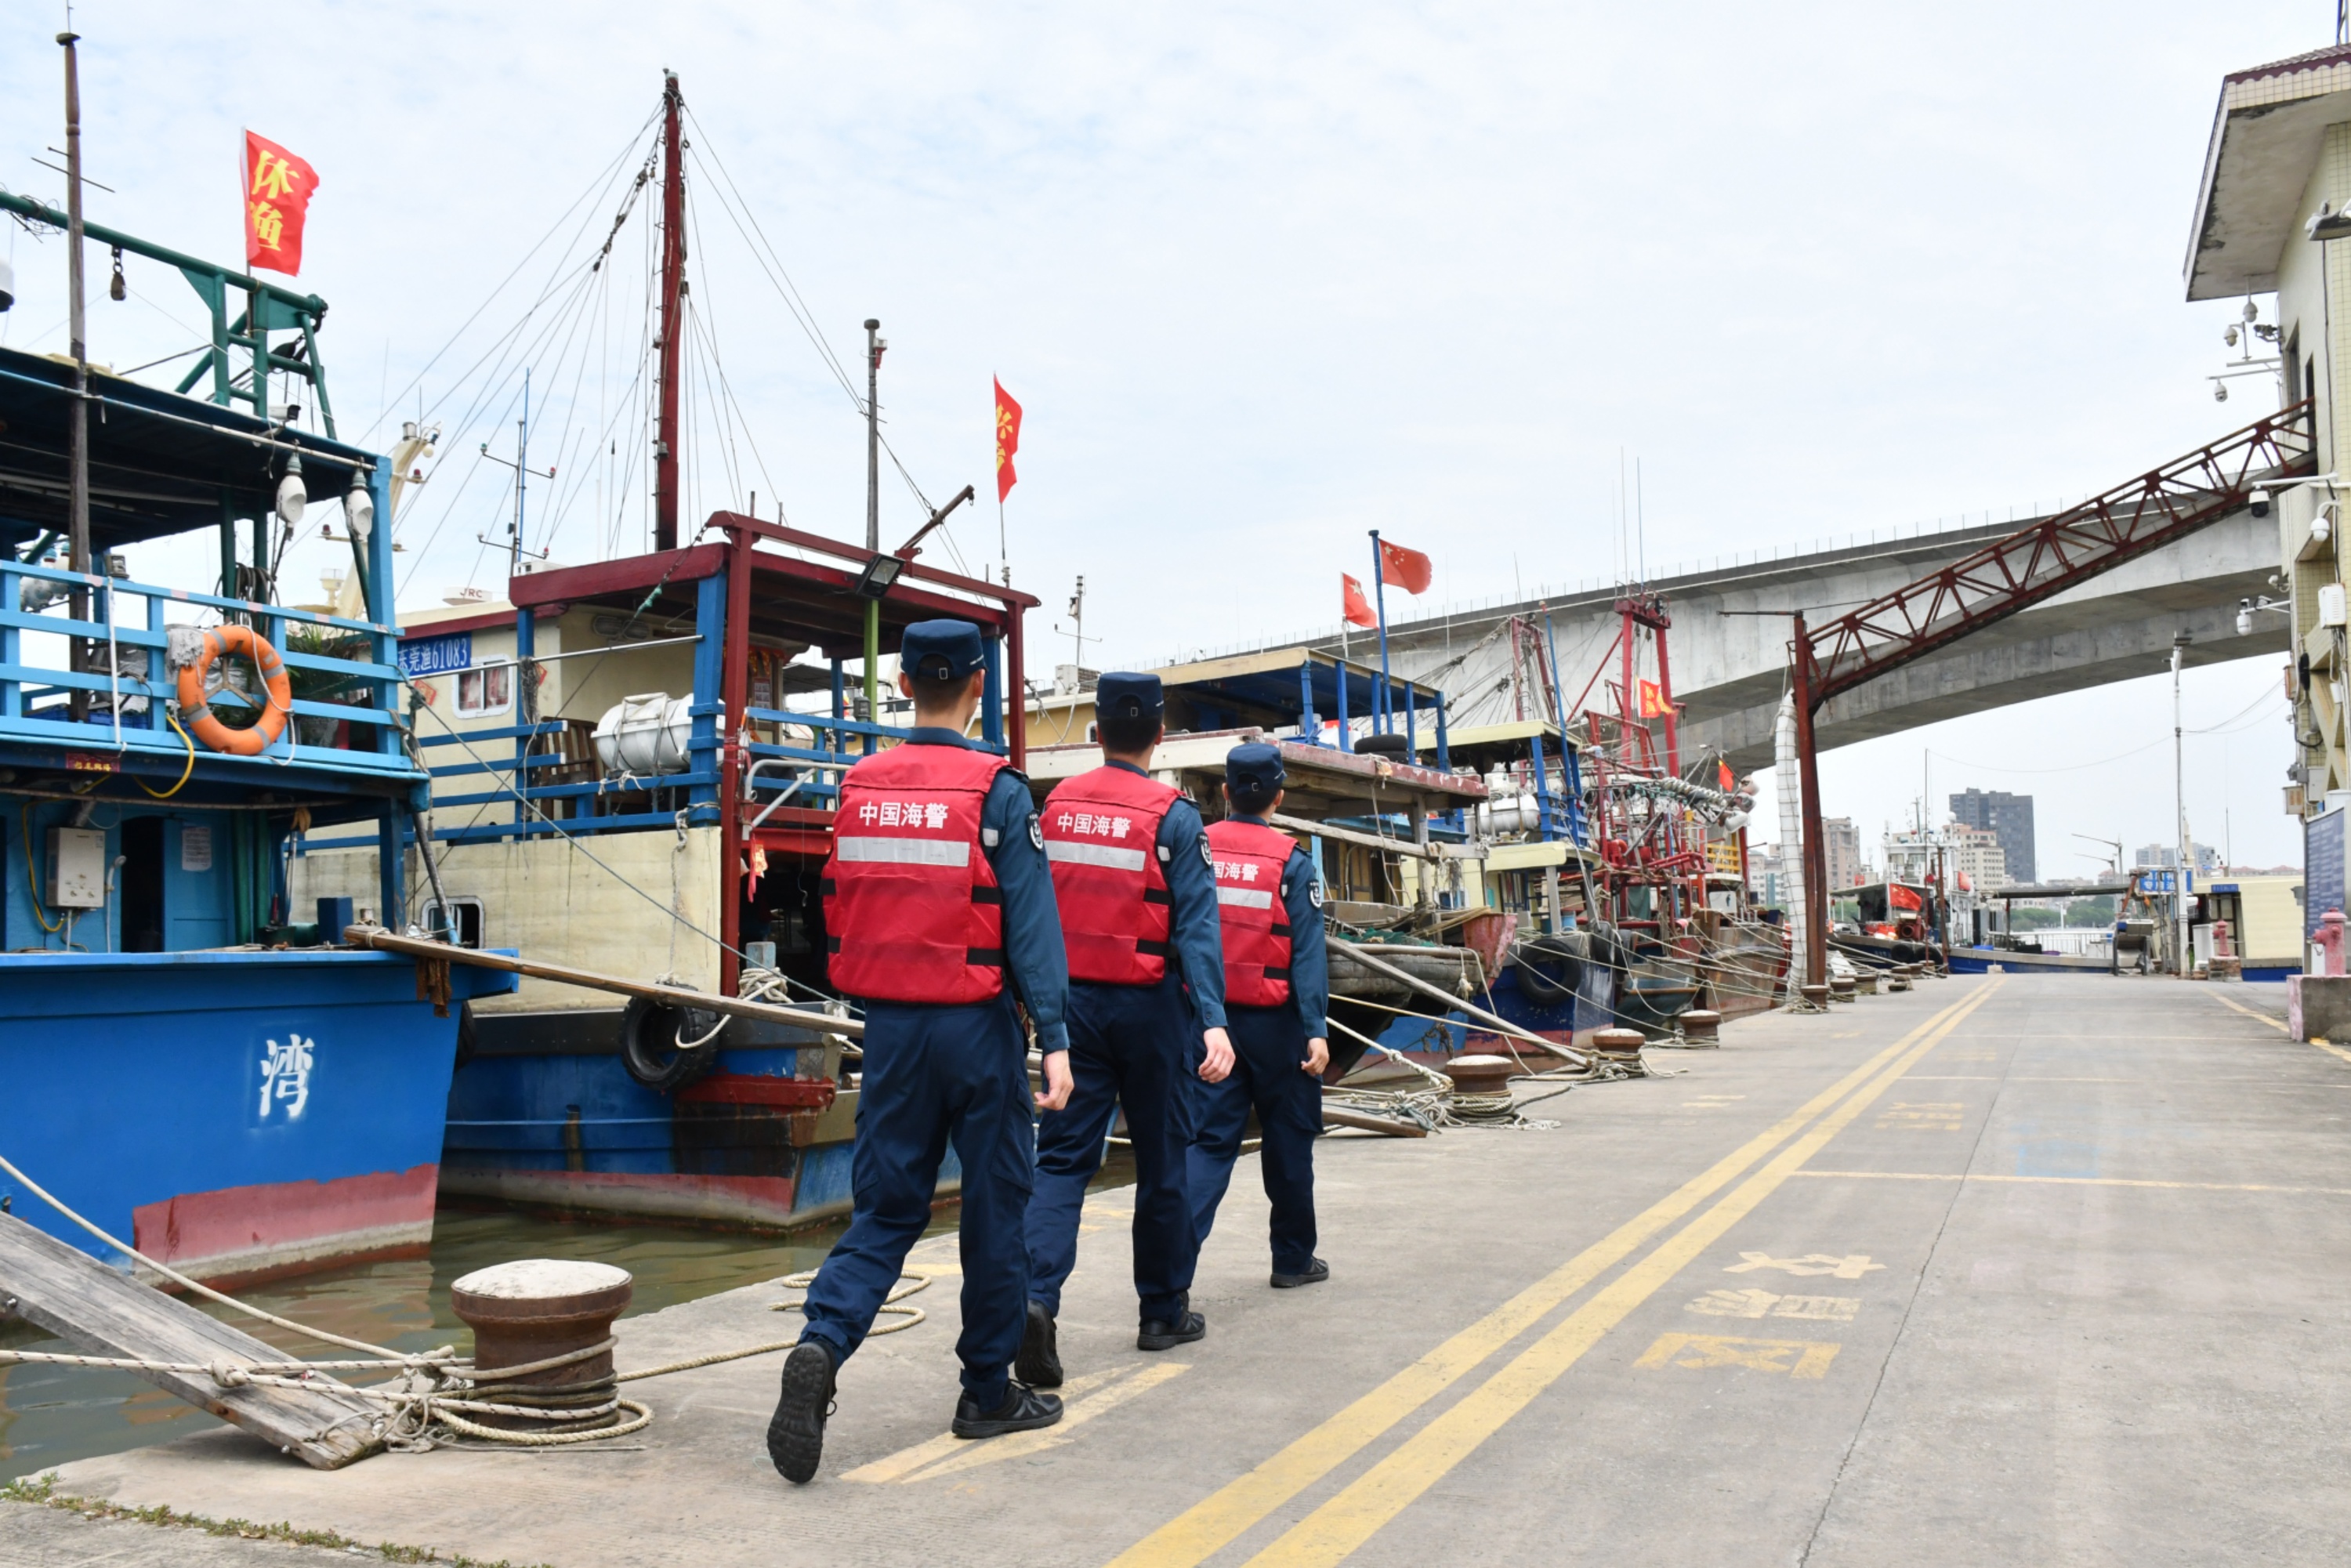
pixel 1268 1076
pixel 932 1074
pixel 1130 1045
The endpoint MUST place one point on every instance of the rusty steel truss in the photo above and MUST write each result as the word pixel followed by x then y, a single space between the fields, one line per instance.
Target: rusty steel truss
pixel 2037 563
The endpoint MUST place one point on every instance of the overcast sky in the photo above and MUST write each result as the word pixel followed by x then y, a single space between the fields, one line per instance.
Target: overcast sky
pixel 1266 277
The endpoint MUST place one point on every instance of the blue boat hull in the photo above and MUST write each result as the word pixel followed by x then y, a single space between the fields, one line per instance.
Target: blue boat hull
pixel 547 1117
pixel 235 1114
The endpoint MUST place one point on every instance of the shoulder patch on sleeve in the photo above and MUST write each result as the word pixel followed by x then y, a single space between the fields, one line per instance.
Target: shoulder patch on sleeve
pixel 1314 893
pixel 1036 834
pixel 1208 855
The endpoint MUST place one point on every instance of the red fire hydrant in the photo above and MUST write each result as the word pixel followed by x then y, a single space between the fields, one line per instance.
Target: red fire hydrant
pixel 2330 940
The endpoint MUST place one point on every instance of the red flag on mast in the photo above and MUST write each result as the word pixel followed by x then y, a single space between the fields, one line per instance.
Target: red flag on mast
pixel 1008 442
pixel 1406 569
pixel 278 187
pixel 1353 605
pixel 1653 700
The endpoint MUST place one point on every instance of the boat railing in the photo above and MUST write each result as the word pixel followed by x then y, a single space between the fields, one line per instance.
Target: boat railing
pixel 808 776
pixel 37 683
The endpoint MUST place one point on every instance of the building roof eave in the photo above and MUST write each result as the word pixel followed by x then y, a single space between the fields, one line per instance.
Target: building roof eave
pixel 2267 130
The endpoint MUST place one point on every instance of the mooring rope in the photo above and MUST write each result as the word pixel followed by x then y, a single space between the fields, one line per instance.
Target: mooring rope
pixel 435 1392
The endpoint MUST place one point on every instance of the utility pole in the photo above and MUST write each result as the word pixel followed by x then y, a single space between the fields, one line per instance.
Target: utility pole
pixel 875 347
pixel 1816 864
pixel 673 312
pixel 78 412
pixel 2180 964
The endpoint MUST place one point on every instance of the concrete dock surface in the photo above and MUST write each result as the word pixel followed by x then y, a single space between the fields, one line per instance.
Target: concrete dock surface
pixel 2020 1269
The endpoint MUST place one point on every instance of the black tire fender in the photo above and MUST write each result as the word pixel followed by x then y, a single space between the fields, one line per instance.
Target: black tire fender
pixel 649 1035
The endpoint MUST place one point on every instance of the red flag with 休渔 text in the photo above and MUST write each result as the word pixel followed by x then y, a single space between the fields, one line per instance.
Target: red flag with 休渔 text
pixel 1406 568
pixel 1353 605
pixel 1008 442
pixel 277 188
pixel 1653 701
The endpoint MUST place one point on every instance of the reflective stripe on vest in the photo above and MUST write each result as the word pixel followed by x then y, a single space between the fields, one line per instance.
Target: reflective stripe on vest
pixel 1251 914
pixel 1100 831
pixel 912 913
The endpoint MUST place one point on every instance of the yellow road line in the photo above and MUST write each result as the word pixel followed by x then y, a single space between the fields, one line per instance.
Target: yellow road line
pixel 1351 1517
pixel 2327 1046
pixel 2075 1181
pixel 1206 1527
pixel 906 1461
pixel 1021 1444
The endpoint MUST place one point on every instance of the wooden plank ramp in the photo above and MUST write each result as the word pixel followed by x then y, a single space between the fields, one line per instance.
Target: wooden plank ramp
pixel 77 1298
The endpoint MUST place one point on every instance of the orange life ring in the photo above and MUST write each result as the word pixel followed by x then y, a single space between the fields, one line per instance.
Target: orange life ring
pixel 197 715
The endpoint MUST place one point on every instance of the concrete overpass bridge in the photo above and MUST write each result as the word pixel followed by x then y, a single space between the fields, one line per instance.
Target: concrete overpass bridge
pixel 1728 671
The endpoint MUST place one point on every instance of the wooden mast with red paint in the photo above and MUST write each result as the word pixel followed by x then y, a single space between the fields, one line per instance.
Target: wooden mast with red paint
pixel 673 312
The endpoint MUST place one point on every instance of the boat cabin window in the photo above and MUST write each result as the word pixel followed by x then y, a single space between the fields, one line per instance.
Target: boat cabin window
pixel 464 923
pixel 486 691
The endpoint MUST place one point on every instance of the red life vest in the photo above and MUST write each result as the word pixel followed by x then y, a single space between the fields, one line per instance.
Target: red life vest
pixel 911 909
pixel 1102 834
pixel 1254 921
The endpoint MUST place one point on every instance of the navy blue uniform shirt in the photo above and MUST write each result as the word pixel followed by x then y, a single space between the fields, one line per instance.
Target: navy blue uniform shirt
pixel 1194 936
pixel 1035 961
pixel 1309 959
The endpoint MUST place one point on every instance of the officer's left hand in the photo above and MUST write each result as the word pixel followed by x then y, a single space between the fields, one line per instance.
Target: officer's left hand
pixel 1058 1081
pixel 1318 1056
pixel 1219 1064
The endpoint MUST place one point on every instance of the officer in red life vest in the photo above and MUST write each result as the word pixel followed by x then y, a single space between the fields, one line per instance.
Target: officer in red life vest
pixel 1139 915
pixel 1277 997
pixel 937 892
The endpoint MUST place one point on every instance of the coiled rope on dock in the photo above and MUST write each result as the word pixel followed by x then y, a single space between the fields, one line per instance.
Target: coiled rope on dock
pixel 434 1394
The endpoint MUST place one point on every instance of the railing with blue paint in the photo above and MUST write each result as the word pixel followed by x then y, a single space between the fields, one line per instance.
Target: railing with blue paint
pixel 35 692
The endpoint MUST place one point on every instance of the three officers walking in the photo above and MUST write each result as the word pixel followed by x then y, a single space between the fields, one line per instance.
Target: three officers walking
pixel 1170 971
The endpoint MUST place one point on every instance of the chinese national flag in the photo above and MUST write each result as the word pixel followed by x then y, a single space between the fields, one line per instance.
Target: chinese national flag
pixel 278 187
pixel 1901 897
pixel 1406 569
pixel 1653 701
pixel 1008 442
pixel 1352 604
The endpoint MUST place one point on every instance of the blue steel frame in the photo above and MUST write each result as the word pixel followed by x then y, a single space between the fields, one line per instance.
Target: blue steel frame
pixel 148 748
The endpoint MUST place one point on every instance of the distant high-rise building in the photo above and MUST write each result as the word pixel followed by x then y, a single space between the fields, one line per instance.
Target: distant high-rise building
pixel 2008 817
pixel 1841 844
pixel 2162 857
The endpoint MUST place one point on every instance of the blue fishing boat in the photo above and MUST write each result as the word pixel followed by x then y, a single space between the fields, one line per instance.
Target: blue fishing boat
pixel 189 1058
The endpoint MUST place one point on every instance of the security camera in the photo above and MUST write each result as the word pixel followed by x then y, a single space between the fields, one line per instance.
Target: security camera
pixel 2229 334
pixel 2260 503
pixel 7 283
pixel 2252 311
pixel 2220 391
pixel 2244 618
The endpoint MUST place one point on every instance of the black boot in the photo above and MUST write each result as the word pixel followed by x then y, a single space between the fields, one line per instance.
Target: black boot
pixel 796 1431
pixel 1023 1410
pixel 1315 1272
pixel 1184 1327
pixel 1039 1362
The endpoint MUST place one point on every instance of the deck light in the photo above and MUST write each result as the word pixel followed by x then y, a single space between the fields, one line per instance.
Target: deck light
pixel 358 509
pixel 879 572
pixel 292 496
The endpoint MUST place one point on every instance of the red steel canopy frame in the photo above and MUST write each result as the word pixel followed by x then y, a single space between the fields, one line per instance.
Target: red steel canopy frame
pixel 802 595
pixel 2037 563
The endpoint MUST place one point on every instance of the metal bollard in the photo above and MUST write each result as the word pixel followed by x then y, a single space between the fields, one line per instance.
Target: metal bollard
pixel 535 1309
pixel 1701 1027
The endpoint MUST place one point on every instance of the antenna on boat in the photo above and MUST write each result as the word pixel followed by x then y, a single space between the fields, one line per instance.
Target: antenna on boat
pixel 78 411
pixel 673 310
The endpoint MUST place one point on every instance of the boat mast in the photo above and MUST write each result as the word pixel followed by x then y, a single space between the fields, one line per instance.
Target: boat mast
pixel 76 411
pixel 673 311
